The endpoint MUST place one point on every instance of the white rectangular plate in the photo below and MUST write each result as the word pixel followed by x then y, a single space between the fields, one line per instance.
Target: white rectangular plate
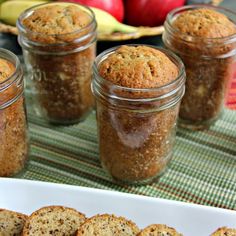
pixel 190 219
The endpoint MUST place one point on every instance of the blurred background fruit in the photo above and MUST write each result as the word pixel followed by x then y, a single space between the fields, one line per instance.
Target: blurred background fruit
pixel 149 12
pixel 114 7
pixel 10 10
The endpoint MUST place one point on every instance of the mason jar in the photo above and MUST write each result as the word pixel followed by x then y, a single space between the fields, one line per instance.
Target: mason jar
pixel 13 122
pixel 136 127
pixel 209 64
pixel 59 65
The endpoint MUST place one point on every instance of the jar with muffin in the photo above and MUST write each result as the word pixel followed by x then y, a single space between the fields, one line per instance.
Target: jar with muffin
pixel 205 39
pixel 59 47
pixel 137 89
pixel 13 122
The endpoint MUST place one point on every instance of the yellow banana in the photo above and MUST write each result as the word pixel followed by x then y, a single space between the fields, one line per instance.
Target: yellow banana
pixel 1 1
pixel 10 11
pixel 108 24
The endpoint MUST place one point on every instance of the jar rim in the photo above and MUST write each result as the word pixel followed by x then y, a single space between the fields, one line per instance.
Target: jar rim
pixel 15 80
pixel 9 56
pixel 25 13
pixel 109 51
pixel 168 23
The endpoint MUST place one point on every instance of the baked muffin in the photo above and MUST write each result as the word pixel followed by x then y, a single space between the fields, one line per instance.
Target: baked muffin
pixel 53 220
pixel 60 63
pixel 159 230
pixel 6 69
pixel 203 38
pixel 135 144
pixel 13 127
pixel 224 231
pixel 138 67
pixel 109 225
pixel 54 23
pixel 205 23
pixel 11 222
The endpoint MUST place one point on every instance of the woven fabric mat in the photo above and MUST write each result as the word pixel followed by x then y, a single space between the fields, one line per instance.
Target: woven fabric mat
pixel 202 171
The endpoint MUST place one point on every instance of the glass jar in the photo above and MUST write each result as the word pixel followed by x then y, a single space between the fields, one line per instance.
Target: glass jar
pixel 13 122
pixel 209 68
pixel 136 127
pixel 59 67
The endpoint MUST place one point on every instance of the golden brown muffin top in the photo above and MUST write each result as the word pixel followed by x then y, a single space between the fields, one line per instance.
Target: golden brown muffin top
pixel 205 23
pixel 56 19
pixel 138 67
pixel 6 69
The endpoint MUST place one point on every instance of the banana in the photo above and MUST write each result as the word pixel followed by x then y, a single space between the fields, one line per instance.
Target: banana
pixel 1 1
pixel 108 24
pixel 10 10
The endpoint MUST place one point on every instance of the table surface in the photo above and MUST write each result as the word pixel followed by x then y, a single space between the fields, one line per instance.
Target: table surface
pixel 203 169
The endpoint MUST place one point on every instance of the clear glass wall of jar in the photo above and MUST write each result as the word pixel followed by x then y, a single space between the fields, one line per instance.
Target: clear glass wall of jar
pixel 136 127
pixel 13 122
pixel 209 67
pixel 59 66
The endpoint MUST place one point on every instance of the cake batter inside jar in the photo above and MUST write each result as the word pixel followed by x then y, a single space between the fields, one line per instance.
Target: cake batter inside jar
pixel 13 122
pixel 138 90
pixel 204 37
pixel 59 46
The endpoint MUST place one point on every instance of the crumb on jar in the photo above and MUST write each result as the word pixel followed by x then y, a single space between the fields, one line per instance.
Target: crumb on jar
pixel 14 147
pixel 136 146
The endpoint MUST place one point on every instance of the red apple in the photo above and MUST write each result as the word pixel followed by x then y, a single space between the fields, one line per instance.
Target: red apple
pixel 149 12
pixel 114 7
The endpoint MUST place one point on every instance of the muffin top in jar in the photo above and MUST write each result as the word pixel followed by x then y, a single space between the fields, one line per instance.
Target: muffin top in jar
pixel 9 88
pixel 139 67
pixel 56 22
pixel 205 23
pixel 56 19
pixel 6 69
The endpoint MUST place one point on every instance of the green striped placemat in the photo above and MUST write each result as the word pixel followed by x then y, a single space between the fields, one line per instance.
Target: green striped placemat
pixel 202 171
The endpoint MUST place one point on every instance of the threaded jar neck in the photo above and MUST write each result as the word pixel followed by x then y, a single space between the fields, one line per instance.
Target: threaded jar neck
pixel 11 89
